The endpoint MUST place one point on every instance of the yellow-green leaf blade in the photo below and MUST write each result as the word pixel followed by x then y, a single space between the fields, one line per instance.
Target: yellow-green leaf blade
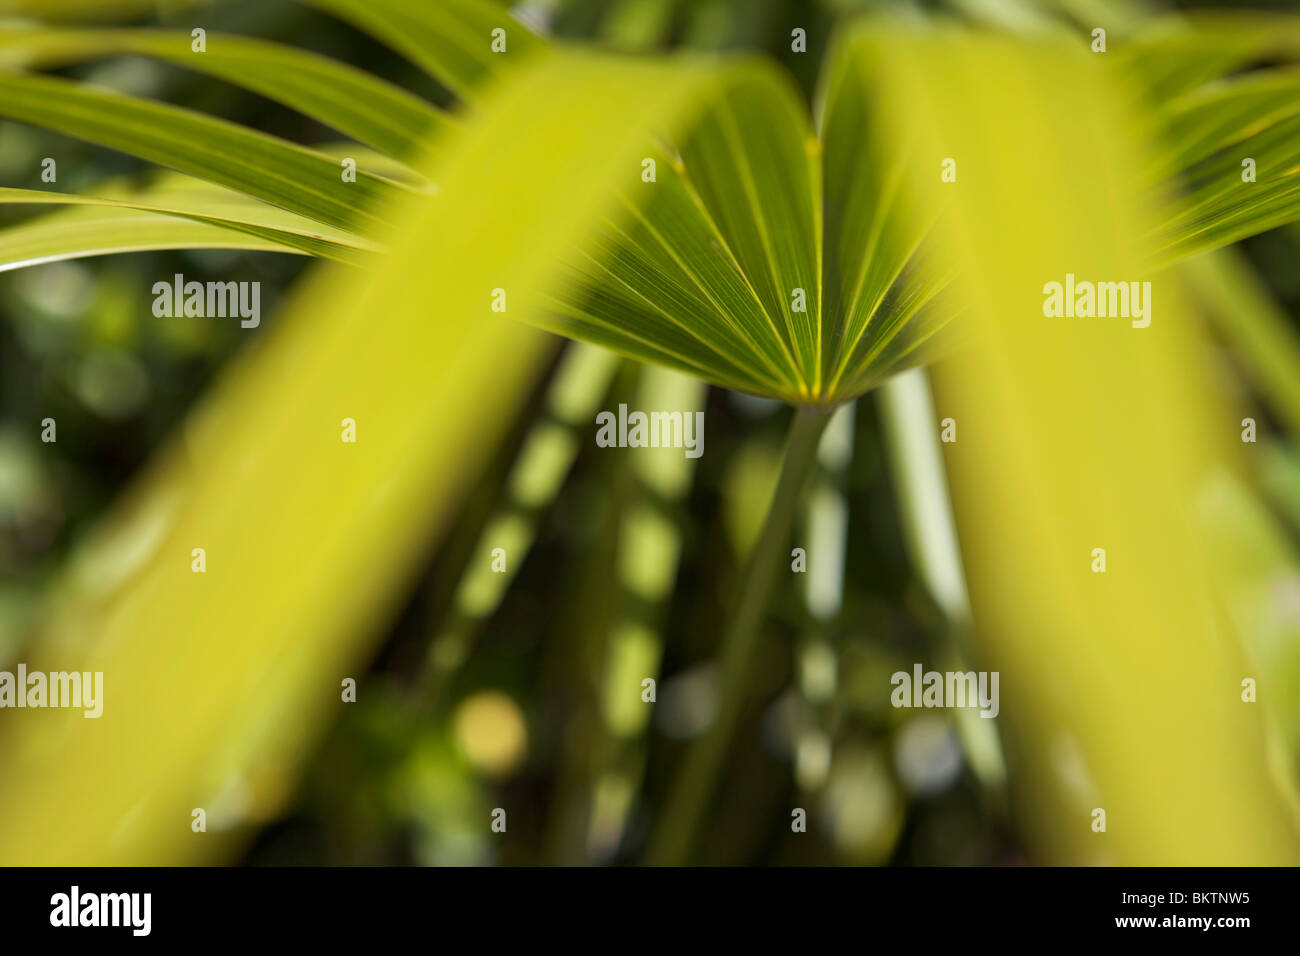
pixel 451 39
pixel 354 102
pixel 750 161
pixel 226 209
pixel 263 166
pixel 98 231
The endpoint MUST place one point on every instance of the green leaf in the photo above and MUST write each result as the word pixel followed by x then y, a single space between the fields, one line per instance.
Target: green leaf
pixel 1210 132
pixel 1176 54
pixel 1228 113
pixel 101 230
pixel 700 268
pixel 259 476
pixel 96 10
pixel 752 163
pixel 702 272
pixel 875 281
pixel 217 207
pixel 263 166
pixel 450 39
pixel 699 274
pixel 661 285
pixel 1090 434
pixel 357 104
pixel 1262 335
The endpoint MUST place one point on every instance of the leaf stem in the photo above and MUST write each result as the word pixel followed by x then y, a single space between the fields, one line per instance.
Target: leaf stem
pixel 694 783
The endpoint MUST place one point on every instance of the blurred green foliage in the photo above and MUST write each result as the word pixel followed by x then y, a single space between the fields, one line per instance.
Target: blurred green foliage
pixel 402 778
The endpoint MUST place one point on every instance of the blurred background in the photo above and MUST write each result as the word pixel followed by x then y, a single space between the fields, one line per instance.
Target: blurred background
pixel 492 690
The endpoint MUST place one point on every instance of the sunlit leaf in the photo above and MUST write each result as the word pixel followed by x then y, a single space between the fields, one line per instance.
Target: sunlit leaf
pixel 357 104
pixel 103 230
pixel 1211 133
pixel 212 205
pixel 263 166
pixel 215 681
pixel 1092 434
pixel 451 39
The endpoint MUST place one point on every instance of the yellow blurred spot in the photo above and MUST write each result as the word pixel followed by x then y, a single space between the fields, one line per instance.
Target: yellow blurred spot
pixel 490 732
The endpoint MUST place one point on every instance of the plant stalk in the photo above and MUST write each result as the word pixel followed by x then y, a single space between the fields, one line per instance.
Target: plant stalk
pixel 695 782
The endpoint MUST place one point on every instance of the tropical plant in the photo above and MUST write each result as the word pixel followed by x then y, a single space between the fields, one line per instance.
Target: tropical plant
pixel 690 213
